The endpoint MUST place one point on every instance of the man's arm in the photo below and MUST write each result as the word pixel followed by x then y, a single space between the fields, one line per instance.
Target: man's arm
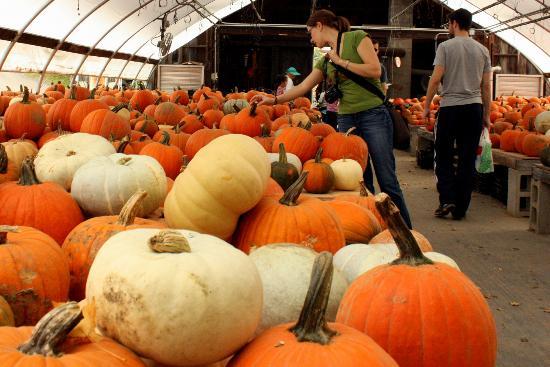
pixel 435 80
pixel 486 98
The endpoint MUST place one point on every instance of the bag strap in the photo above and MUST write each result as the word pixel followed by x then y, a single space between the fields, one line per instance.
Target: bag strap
pixel 363 82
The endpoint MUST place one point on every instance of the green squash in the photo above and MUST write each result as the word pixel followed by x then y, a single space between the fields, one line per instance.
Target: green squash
pixel 283 172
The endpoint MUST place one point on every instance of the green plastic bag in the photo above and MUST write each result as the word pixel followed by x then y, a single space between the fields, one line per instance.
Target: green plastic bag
pixel 484 158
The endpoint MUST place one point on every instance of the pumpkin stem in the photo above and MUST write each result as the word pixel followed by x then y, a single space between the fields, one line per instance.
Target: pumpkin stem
pixel 312 325
pixel 157 102
pixel 130 210
pixel 184 163
pixel 3 160
pixel 25 95
pixel 236 108
pixel 363 191
pixel 282 153
pixel 28 176
pixel 350 130
pixel 123 144
pixel 409 251
pixel 292 194
pixel 4 232
pixel 92 93
pixel 167 241
pixel 119 107
pixel 177 100
pixel 318 155
pixel 205 95
pixel 265 131
pixel 253 109
pixel 165 138
pixel 50 332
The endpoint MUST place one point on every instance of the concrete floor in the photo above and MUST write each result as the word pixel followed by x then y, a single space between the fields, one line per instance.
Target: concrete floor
pixel 510 264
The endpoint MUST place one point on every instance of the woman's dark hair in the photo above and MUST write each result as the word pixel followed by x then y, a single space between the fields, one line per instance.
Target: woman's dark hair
pixel 463 17
pixel 279 79
pixel 328 18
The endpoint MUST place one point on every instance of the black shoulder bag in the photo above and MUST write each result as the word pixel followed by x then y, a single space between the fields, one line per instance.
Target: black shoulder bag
pixel 401 132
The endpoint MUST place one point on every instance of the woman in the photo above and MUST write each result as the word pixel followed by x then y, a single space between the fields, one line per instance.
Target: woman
pixel 358 107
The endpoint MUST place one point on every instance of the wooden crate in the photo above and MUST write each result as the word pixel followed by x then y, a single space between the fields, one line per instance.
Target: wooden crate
pixel 539 219
pixel 520 171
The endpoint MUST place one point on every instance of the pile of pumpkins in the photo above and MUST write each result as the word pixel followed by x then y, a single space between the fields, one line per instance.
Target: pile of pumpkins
pixel 412 110
pixel 106 212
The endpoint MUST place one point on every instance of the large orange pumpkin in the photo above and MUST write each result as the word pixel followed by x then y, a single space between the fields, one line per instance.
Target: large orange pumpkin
pixel 346 145
pixel 304 220
pixel 168 113
pixel 34 273
pixel 82 109
pixel 60 112
pixel 321 129
pixel 280 110
pixel 85 240
pixel 141 99
pixel 50 344
pixel 44 206
pixel 298 141
pixel 302 102
pixel 105 123
pixel 423 314
pixel 169 156
pixel 208 101
pixel 367 200
pixel 201 138
pixel 358 223
pixel 311 341
pixel 25 118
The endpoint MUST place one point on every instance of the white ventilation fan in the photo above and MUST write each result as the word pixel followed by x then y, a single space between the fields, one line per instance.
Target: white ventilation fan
pixel 165 41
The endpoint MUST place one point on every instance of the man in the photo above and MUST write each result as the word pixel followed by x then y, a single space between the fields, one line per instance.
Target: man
pixel 291 73
pixel 463 67
pixel 384 73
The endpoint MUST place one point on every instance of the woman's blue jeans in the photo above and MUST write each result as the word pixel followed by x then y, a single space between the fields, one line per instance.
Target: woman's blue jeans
pixel 376 128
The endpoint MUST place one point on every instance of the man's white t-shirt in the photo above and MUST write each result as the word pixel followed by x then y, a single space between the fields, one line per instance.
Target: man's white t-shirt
pixel 289 84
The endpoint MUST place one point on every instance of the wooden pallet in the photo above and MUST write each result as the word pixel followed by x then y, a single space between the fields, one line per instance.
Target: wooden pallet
pixel 539 218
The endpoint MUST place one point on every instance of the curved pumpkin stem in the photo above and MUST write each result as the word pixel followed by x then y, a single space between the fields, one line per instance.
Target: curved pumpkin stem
pixel 351 129
pixel 253 109
pixel 292 194
pixel 363 190
pixel 25 96
pixel 4 230
pixel 265 131
pixel 184 163
pixel 123 144
pixel 119 107
pixel 168 241
pixel 28 175
pixel 318 155
pixel 236 108
pixel 282 153
pixel 312 325
pixel 50 332
pixel 409 251
pixel 92 93
pixel 130 210
pixel 3 160
pixel 165 138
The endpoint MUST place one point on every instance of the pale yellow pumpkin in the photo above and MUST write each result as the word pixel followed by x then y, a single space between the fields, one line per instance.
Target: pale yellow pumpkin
pixel 225 179
pixel 347 174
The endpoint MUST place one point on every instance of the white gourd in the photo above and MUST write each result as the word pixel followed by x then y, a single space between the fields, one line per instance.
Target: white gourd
pixel 347 174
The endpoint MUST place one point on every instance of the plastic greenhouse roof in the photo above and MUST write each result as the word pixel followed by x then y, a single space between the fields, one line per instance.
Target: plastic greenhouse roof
pixel 524 24
pixel 124 26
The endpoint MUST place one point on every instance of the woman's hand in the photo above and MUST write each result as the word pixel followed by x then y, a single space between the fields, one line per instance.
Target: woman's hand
pixel 334 57
pixel 262 100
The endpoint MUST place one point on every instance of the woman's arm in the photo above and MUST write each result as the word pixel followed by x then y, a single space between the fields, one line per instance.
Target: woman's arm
pixel 314 78
pixel 370 67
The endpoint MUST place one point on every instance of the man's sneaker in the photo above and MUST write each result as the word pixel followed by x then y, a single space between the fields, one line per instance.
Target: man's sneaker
pixel 444 210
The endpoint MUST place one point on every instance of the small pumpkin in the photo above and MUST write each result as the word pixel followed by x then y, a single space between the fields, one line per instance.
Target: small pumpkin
pixel 34 273
pixel 311 340
pixel 190 124
pixel 196 273
pixel 235 105
pixel 25 118
pixel 178 138
pixel 168 113
pixel 248 121
pixel 266 139
pixel 180 96
pixel 212 118
pixel 284 173
pixel 50 344
pixel 320 179
pixel 290 158
pixel 322 129
pixel 306 221
pixel 147 126
pixel 17 150
pixel 8 170
pixel 170 157
pixel 347 174
pixel 359 224
pixel 60 112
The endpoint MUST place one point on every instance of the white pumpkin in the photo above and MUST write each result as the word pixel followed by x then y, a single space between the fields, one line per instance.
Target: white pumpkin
pixel 228 107
pixel 123 112
pixel 193 299
pixel 347 174
pixel 104 184
pixel 356 259
pixel 542 122
pixel 58 160
pixel 290 158
pixel 285 270
pixel 225 179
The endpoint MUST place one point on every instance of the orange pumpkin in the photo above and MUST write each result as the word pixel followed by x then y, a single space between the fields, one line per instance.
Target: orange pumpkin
pixel 358 223
pixel 140 140
pixel 304 220
pixel 273 188
pixel 34 273
pixel 533 144
pixel 60 112
pixel 367 200
pixel 123 145
pixel 80 93
pixel 508 140
pixel 208 102
pixel 178 138
pixel 50 344
pixel 200 139
pixel 147 126
pixel 82 109
pixel 168 113
pixel 25 118
pixel 322 129
pixel 345 145
pixel 280 110
pixel 212 117
pixel 6 314
pixel 85 240
pixel 180 97
pixel 51 135
pixel 169 156
pixel 302 102
pixel 385 237
pixel 44 206
pixel 265 139
pixel 109 100
pixel 105 123
pixel 191 123
pixel 280 122
pixel 501 126
pixel 518 144
pixel 152 108
pixel 8 170
pixel 320 179
pixel 248 121
pixel 298 141
pixel 454 319
pixel 311 341
pixel 141 99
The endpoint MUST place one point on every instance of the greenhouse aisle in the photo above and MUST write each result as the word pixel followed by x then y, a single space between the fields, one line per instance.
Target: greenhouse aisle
pixel 510 264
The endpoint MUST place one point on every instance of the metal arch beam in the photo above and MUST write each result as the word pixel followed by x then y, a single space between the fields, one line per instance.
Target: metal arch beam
pixel 20 33
pixel 60 43
pixel 105 34
pixel 131 57
pixel 174 8
pixel 142 65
